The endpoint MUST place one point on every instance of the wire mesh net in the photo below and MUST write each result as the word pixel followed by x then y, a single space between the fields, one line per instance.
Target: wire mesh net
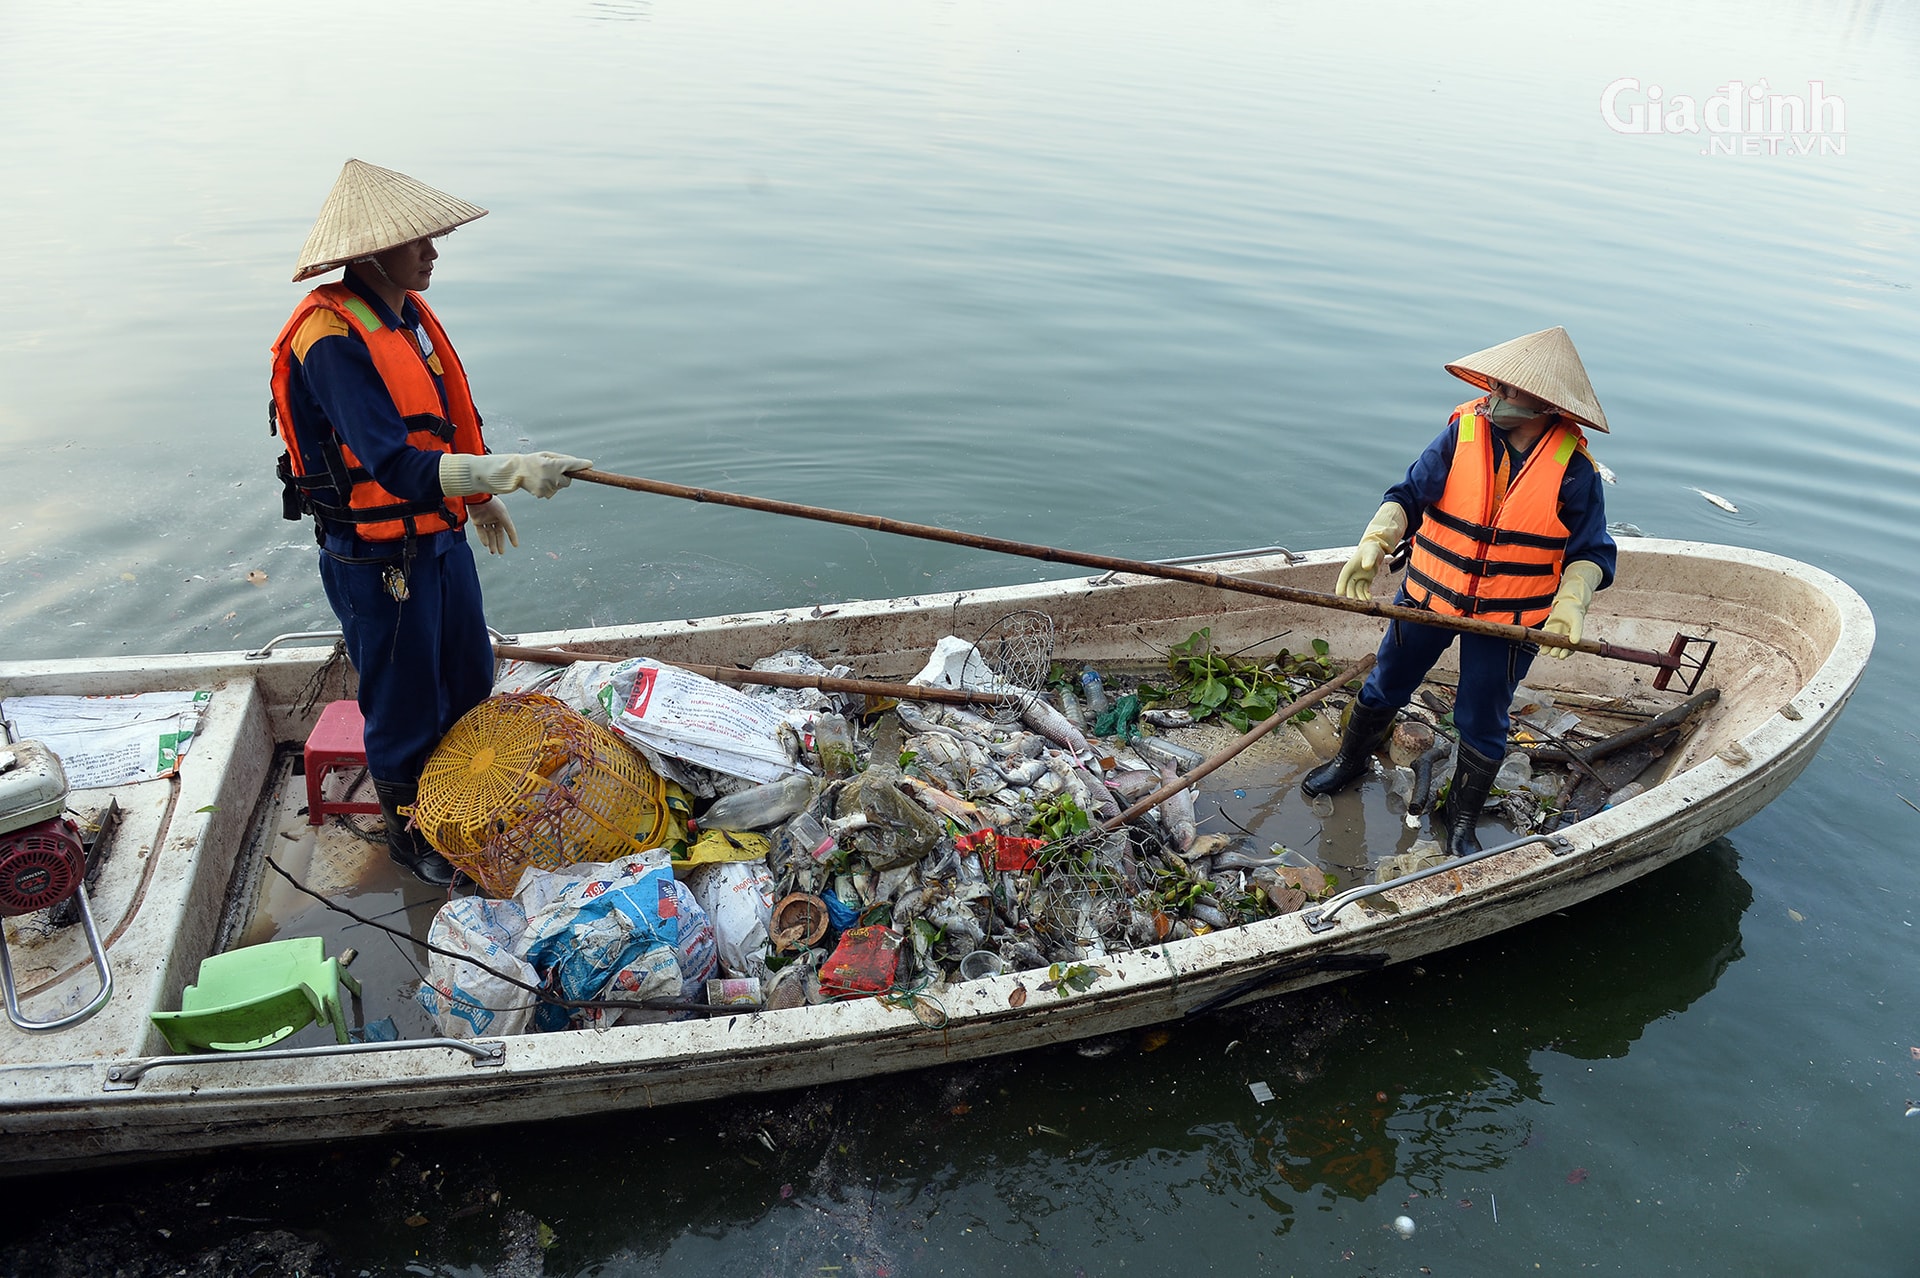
pixel 522 780
pixel 1018 649
pixel 1082 888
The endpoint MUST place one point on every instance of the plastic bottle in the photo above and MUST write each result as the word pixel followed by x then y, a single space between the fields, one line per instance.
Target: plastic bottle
pixel 1095 692
pixel 760 808
pixel 833 741
pixel 1070 706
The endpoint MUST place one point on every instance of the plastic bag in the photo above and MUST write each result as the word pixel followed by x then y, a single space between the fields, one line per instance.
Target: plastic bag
pixel 672 712
pixel 738 899
pixel 465 1000
pixel 595 927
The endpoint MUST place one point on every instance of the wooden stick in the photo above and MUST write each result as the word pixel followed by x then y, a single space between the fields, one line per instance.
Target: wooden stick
pixel 1583 755
pixel 1253 734
pixel 775 679
pixel 1138 567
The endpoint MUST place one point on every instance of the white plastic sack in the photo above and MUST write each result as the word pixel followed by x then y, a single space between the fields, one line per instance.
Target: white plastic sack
pixel 668 711
pixel 595 927
pixel 738 898
pixel 955 663
pixel 465 1000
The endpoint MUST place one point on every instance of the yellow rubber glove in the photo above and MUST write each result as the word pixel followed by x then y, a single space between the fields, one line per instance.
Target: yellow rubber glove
pixel 1578 581
pixel 1376 543
pixel 542 474
pixel 493 524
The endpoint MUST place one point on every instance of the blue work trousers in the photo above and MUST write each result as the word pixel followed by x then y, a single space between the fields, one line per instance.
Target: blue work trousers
pixel 1490 669
pixel 423 662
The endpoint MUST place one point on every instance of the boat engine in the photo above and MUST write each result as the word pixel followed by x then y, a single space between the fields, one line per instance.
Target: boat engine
pixel 42 863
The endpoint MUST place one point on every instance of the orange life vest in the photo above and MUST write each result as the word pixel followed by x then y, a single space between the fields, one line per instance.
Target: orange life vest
pixel 1494 545
pixel 372 512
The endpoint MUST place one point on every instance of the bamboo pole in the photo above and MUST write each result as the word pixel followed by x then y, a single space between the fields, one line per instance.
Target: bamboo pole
pixel 1138 567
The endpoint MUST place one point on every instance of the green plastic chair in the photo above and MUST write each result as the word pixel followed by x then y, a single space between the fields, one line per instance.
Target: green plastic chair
pixel 256 996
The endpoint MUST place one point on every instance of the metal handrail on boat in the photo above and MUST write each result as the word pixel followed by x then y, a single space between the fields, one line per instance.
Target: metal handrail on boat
pixel 125 1075
pixel 261 653
pixel 1293 557
pixel 1321 920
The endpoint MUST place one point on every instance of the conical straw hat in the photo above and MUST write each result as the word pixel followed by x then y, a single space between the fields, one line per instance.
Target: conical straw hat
pixel 1542 364
pixel 371 210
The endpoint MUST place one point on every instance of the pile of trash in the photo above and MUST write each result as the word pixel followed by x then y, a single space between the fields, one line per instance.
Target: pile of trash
pixel 839 847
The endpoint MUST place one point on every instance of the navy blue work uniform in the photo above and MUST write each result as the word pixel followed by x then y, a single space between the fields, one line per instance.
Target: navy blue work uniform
pixel 424 660
pixel 1490 669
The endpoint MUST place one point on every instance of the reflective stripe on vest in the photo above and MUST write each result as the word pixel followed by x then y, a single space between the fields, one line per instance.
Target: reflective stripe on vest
pixel 374 513
pixel 1487 548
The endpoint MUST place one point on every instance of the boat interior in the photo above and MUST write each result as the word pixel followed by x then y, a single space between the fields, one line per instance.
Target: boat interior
pixel 226 852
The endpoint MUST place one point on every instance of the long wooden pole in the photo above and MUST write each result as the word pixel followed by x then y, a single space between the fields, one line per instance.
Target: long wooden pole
pixel 1232 748
pixel 1139 567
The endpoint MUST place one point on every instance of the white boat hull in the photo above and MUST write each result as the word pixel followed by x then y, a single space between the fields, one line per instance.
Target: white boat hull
pixel 1793 642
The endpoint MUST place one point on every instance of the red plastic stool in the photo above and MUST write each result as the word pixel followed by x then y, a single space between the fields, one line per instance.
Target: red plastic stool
pixel 337 741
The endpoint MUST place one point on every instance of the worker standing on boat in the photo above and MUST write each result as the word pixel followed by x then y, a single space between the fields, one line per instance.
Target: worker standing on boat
pixel 383 448
pixel 1507 524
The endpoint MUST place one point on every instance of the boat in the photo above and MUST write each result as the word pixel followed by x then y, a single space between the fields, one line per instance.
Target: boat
pixel 187 875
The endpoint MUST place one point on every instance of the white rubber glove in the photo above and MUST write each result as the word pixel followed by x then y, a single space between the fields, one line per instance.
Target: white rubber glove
pixel 542 474
pixel 495 526
pixel 1376 543
pixel 1578 581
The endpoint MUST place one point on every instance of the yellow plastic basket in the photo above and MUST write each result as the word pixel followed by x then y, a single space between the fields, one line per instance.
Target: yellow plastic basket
pixel 523 780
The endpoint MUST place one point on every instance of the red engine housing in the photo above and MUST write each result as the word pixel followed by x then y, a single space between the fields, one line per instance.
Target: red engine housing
pixel 40 865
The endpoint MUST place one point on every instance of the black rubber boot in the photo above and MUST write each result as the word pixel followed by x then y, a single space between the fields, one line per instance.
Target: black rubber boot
pixel 1473 774
pixel 1367 730
pixel 409 848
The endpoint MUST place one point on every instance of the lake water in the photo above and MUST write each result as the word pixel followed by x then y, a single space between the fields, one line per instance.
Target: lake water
pixel 1143 279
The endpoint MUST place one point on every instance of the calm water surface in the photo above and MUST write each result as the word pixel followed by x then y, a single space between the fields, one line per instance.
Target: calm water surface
pixel 1145 279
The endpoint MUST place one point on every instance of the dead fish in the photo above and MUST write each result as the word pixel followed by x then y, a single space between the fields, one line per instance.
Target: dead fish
pixel 1719 501
pixel 1025 772
pixel 1102 798
pixel 1606 472
pixel 1176 810
pixel 940 803
pixel 1207 845
pixel 1134 784
pixel 1071 780
pixel 918 721
pixel 1053 725
pixel 967 721
pixel 1211 915
pixel 1168 718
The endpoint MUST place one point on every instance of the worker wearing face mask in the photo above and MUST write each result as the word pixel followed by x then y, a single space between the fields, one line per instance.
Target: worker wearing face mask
pixel 383 448
pixel 1507 523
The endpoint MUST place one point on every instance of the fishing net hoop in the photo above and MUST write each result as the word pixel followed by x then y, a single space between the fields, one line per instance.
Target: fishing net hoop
pixel 1018 649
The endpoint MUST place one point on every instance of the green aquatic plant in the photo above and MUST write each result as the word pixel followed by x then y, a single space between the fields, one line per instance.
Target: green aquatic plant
pixel 1240 693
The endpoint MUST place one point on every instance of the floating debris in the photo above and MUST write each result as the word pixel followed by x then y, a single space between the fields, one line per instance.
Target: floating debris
pixel 1719 501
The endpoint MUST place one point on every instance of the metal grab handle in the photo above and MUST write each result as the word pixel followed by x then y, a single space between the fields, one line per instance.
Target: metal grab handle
pixel 1107 578
pixel 1321 920
pixel 486 1053
pixel 100 1000
pixel 260 653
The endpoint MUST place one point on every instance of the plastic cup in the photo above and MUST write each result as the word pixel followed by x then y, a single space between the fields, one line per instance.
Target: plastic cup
pixel 981 963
